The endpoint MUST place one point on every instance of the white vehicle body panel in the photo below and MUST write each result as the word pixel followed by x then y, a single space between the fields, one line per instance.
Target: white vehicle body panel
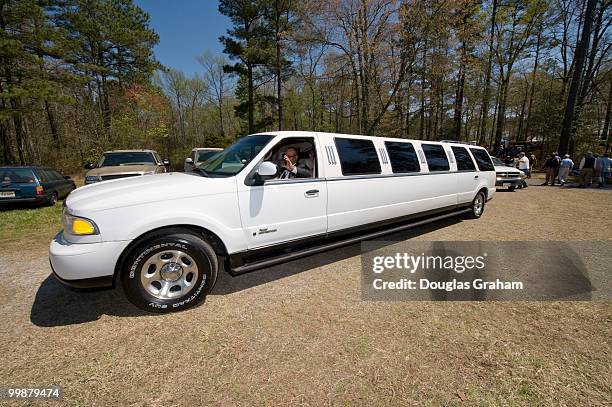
pixel 246 217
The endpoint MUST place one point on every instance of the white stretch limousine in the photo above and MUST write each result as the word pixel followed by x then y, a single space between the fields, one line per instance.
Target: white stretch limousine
pixel 266 199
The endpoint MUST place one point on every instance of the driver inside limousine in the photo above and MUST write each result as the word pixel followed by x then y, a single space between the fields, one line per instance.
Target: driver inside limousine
pixel 289 167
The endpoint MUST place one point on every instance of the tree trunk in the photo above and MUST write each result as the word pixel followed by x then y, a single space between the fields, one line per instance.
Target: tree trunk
pixel 5 137
pixel 279 97
pixel 459 99
pixel 568 117
pixel 485 98
pixel 501 113
pixel 605 135
pixel 495 116
pixel 251 106
pixel 587 78
pixel 53 125
pixel 528 131
pixel 7 154
pixel 519 131
pixel 422 112
pixel 19 136
pixel 106 116
pixel 221 93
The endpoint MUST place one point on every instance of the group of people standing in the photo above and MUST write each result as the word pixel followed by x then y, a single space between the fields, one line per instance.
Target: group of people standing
pixel 592 167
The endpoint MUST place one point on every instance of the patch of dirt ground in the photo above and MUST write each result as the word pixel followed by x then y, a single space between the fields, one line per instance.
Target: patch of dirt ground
pixel 299 333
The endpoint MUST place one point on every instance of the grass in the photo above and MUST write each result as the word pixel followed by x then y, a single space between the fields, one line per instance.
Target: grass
pixel 34 227
pixel 299 333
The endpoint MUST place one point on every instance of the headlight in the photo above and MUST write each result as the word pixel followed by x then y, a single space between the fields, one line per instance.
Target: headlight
pixel 78 226
pixel 499 178
pixel 92 178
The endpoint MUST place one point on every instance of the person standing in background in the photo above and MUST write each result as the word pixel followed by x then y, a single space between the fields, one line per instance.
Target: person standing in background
pixel 533 161
pixel 558 166
pixel 551 166
pixel 587 165
pixel 565 166
pixel 523 165
pixel 602 169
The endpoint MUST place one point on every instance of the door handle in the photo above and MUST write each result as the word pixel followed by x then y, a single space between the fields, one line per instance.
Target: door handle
pixel 311 193
pixel 476 177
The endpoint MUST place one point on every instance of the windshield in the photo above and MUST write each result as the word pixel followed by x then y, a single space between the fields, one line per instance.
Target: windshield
pixel 234 158
pixel 497 161
pixel 205 155
pixel 131 158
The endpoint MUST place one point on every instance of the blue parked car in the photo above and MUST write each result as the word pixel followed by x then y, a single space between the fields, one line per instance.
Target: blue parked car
pixel 34 185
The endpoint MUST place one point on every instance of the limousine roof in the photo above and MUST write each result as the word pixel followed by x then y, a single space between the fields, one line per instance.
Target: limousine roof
pixel 357 136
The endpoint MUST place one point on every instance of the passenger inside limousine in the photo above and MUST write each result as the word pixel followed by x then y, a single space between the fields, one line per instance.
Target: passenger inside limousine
pixel 290 167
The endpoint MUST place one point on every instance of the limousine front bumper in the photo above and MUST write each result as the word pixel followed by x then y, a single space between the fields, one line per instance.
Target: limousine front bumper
pixel 84 265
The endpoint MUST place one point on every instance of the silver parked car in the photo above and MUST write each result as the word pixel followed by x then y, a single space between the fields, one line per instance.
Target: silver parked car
pixel 125 163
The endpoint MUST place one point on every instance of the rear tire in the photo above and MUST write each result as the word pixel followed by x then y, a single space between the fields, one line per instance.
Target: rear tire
pixel 52 199
pixel 170 272
pixel 478 205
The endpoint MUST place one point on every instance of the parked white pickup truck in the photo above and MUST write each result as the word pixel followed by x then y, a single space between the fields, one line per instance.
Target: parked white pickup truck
pixel 266 199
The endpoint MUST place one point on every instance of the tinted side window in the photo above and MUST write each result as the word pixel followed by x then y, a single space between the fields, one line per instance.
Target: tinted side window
pixel 403 157
pixel 436 157
pixel 464 161
pixel 46 175
pixel 57 176
pixel 482 159
pixel 49 175
pixel 357 157
pixel 42 177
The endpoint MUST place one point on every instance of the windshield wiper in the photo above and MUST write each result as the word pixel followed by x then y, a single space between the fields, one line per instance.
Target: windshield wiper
pixel 201 171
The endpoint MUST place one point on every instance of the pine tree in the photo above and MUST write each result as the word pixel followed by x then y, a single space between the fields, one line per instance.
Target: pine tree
pixel 249 42
pixel 108 41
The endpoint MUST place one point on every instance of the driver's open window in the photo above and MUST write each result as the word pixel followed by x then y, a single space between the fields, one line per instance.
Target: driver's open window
pixel 301 152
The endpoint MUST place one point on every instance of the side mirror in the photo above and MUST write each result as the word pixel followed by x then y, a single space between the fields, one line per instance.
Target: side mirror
pixel 89 166
pixel 166 162
pixel 188 160
pixel 266 170
pixel 66 176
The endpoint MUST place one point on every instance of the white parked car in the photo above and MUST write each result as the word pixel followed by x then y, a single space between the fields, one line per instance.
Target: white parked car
pixel 165 236
pixel 507 176
pixel 198 156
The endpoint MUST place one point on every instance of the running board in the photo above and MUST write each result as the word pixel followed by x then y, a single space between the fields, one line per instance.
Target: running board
pixel 325 247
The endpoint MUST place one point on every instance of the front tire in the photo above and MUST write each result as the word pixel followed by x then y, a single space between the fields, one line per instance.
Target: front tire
pixel 478 205
pixel 170 272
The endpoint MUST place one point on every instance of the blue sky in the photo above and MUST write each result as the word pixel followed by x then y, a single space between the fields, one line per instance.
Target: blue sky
pixel 186 28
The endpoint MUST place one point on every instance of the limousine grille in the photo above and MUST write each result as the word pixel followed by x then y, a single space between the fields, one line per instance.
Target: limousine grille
pixel 508 174
pixel 117 176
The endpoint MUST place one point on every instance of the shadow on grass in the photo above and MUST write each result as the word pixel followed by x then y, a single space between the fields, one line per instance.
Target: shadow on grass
pixel 56 305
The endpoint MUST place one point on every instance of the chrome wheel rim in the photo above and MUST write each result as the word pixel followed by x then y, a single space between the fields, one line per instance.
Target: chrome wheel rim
pixel 169 274
pixel 478 204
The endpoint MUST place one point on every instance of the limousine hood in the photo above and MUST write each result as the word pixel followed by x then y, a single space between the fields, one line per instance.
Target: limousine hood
pixel 164 187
